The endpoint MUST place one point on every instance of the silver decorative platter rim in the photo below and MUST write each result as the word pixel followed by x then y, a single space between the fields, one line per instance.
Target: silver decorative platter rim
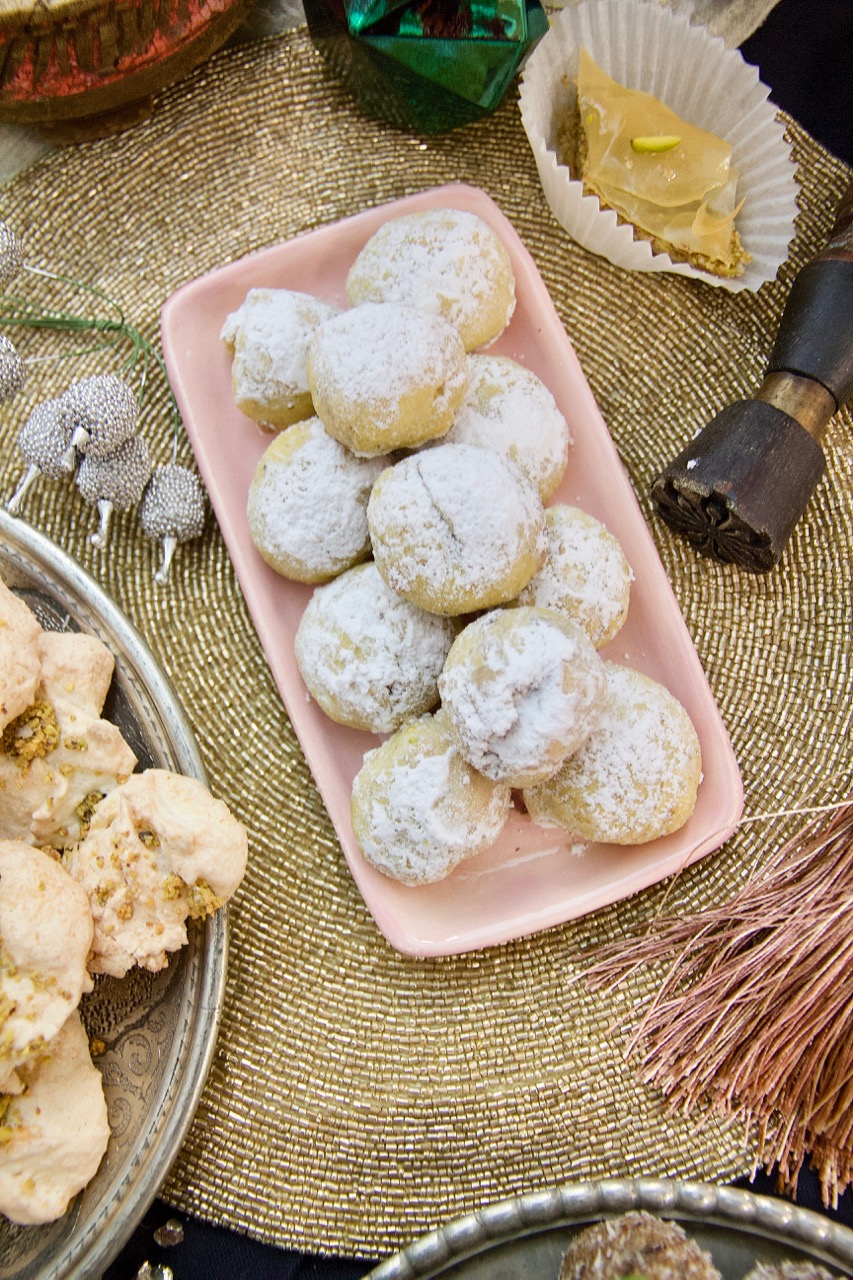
pixel 576 1204
pixel 30 559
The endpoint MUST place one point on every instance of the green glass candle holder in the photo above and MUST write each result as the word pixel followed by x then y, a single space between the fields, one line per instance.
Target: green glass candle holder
pixel 427 65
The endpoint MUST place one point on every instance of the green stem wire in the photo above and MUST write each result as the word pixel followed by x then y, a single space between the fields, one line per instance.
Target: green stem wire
pixel 16 311
pixel 148 353
pixel 82 286
pixel 45 320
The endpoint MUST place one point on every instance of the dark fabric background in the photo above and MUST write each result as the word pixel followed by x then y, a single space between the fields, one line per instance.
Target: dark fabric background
pixel 804 52
pixel 210 1253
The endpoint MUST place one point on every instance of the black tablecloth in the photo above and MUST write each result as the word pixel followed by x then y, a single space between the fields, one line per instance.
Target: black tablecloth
pixel 211 1253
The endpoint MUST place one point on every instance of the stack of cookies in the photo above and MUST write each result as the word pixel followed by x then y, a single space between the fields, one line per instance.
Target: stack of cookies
pixel 453 609
pixel 101 866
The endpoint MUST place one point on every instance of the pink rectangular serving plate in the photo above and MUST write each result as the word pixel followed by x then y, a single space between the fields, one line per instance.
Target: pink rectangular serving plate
pixel 532 878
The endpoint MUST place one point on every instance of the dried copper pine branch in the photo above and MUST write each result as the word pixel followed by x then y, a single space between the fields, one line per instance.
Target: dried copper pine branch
pixel 755 1013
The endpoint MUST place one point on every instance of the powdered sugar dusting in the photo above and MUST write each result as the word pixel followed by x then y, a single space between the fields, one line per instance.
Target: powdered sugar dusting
pixel 418 809
pixel 444 262
pixel 268 335
pixel 371 659
pixel 636 776
pixel 523 689
pixel 307 506
pixel 369 361
pixel 508 408
pixel 585 576
pixel 455 520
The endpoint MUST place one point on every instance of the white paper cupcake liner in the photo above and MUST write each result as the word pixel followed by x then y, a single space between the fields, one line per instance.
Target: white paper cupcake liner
pixel 645 45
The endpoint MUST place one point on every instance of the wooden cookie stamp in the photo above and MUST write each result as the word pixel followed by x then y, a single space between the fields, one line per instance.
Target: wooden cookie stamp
pixel 738 489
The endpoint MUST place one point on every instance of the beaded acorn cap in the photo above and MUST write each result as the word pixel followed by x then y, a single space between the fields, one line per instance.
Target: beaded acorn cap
pixel 100 413
pixel 12 373
pixel 92 426
pixel 119 477
pixel 173 510
pixel 11 255
pixel 114 481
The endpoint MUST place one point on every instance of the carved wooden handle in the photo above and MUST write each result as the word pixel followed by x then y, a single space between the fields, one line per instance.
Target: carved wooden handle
pixel 737 490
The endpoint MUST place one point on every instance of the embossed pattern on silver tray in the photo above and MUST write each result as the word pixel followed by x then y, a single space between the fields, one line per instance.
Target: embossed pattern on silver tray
pixel 159 1029
pixel 525 1238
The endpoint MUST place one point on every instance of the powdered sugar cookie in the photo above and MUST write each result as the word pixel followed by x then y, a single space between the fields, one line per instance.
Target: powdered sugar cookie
pixel 636 776
pixel 456 528
pixel 508 408
pixel 368 657
pixel 522 689
pixel 384 376
pixel 446 262
pixel 418 809
pixel 268 338
pixel 585 576
pixel 307 506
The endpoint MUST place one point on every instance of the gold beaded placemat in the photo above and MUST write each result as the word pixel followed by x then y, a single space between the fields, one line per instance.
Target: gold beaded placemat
pixel 359 1097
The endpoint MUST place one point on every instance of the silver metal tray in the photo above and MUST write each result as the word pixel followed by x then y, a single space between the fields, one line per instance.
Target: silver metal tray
pixel 159 1029
pixel 525 1238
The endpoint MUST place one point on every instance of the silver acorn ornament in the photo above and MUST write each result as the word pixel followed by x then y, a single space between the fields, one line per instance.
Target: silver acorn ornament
pixel 114 483
pixel 101 412
pixel 11 255
pixel 12 373
pixel 43 443
pixel 173 510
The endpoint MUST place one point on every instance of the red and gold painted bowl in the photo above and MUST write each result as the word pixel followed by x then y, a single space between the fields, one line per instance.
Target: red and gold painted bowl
pixel 87 67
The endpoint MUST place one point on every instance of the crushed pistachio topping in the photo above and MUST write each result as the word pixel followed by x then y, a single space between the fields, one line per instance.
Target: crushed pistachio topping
pixel 149 839
pixel 75 744
pixel 35 1049
pixel 33 733
pixel 173 887
pixel 11 972
pixel 86 809
pixel 202 900
pixel 7 1008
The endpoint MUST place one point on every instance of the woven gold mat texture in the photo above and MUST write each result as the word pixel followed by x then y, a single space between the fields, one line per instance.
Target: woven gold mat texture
pixel 359 1098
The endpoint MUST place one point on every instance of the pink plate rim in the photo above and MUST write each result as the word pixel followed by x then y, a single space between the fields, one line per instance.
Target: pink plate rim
pixel 532 880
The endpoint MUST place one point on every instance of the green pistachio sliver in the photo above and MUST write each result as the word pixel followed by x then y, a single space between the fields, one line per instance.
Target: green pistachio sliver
pixel 654 143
